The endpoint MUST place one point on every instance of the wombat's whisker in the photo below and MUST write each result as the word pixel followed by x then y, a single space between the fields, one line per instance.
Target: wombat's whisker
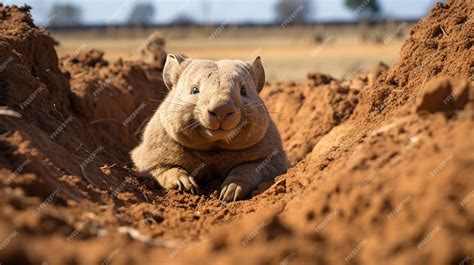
pixel 191 125
pixel 168 102
pixel 156 100
pixel 248 112
pixel 199 110
pixel 166 94
pixel 276 112
pixel 169 111
pixel 140 127
pixel 256 107
pixel 105 120
pixel 254 104
pixel 184 101
pixel 187 102
pixel 180 103
pixel 161 92
pixel 195 125
pixel 249 109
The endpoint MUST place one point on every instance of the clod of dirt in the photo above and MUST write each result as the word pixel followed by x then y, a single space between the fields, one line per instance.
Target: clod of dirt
pixel 153 50
pixel 444 94
pixel 319 79
pixel 89 57
pixel 377 71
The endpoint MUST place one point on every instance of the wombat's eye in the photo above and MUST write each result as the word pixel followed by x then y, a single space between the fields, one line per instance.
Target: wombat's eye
pixel 194 90
pixel 243 91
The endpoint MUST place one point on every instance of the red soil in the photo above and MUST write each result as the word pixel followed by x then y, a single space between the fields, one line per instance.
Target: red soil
pixel 382 164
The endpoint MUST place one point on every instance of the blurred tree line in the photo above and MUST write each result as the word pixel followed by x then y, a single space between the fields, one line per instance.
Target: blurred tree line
pixel 288 12
pixel 65 14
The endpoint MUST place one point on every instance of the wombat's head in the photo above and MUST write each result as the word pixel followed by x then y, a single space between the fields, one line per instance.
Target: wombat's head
pixel 214 104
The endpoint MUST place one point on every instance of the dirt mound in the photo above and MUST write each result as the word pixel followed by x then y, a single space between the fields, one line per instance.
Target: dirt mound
pixel 66 156
pixel 381 163
pixel 316 108
pixel 439 45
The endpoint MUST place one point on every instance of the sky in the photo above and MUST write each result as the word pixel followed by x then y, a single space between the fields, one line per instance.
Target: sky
pixel 219 11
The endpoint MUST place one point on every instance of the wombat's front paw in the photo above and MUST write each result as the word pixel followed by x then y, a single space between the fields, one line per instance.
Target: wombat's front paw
pixel 177 178
pixel 235 188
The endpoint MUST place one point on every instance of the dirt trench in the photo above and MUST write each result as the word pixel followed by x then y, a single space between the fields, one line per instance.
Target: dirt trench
pixel 381 164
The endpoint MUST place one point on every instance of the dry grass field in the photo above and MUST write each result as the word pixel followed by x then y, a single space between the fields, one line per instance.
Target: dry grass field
pixel 287 53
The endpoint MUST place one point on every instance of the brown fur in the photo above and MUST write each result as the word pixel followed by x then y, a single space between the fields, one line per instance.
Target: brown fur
pixel 217 132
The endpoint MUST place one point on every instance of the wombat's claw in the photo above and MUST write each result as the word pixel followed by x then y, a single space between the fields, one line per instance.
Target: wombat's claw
pixel 231 192
pixel 187 184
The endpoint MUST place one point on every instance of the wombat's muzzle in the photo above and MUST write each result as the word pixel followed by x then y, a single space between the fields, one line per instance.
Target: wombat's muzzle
pixel 223 115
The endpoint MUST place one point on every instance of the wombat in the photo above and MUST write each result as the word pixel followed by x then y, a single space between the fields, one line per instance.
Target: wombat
pixel 214 124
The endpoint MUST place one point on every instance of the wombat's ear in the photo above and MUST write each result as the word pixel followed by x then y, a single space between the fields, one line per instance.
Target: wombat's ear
pixel 172 69
pixel 258 73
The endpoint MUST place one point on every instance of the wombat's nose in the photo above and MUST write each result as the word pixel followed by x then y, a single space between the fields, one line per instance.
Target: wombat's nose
pixel 221 111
